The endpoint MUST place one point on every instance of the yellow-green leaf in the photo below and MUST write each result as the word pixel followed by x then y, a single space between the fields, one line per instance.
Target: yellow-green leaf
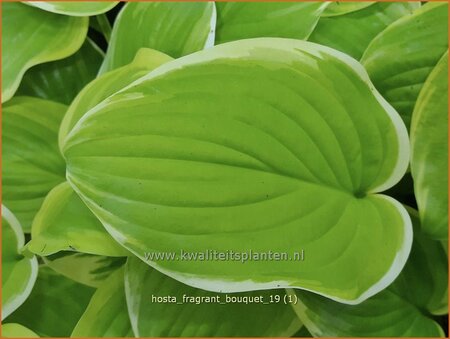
pixel 429 158
pixel 31 36
pixel 32 163
pixel 18 272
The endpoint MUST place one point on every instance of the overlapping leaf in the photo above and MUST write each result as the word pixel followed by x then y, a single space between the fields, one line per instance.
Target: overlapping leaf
pixel 398 311
pixel 402 56
pixel 61 80
pixel 73 8
pixel 17 331
pixel 86 269
pixel 350 27
pixel 429 160
pixel 64 223
pixel 243 20
pixel 54 306
pixel 32 163
pixel 34 36
pixel 343 7
pixel 101 24
pixel 173 28
pixel 106 314
pixel 260 145
pixel 384 315
pixel 424 280
pixel 205 319
pixel 107 84
pixel 18 273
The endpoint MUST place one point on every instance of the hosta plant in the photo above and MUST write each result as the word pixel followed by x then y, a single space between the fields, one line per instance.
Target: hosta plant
pixel 229 169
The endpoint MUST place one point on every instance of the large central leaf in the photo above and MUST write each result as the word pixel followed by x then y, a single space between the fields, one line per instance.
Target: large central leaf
pixel 401 310
pixel 107 84
pixel 265 145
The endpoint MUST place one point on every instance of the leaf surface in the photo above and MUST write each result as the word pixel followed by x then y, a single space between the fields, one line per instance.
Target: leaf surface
pixel 54 306
pixel 106 315
pixel 87 269
pixel 243 20
pixel 352 31
pixel 73 8
pixel 33 37
pixel 17 331
pixel 174 28
pixel 64 223
pixel 266 145
pixel 429 157
pixel 343 7
pixel 202 319
pixel 398 311
pixel 61 80
pixel 32 163
pixel 424 280
pixel 101 24
pixel 18 273
pixel 107 84
pixel 402 56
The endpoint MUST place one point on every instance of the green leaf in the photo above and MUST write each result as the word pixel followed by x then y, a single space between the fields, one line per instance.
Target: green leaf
pixel 32 163
pixel 445 245
pixel 87 269
pixel 33 37
pixel 101 24
pixel 73 8
pixel 429 157
pixel 61 80
pixel 351 32
pixel 402 56
pixel 341 7
pixel 18 273
pixel 424 280
pixel 243 20
pixel 107 84
pixel 267 145
pixel 174 28
pixel 54 306
pixel 106 315
pixel 150 318
pixel 384 315
pixel 64 223
pixel 399 311
pixel 17 331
